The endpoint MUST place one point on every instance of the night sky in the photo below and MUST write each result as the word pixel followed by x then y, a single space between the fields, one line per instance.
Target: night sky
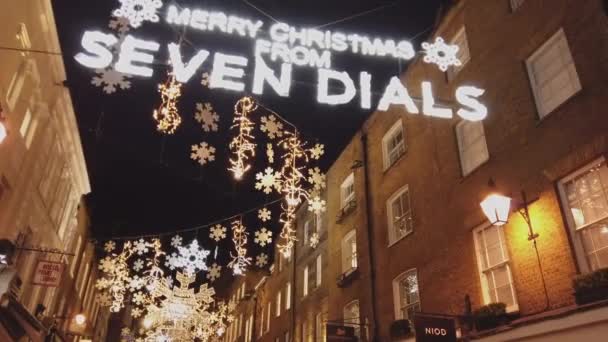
pixel 144 182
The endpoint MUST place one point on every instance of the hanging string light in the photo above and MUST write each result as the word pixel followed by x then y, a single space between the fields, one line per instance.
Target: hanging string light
pixel 167 115
pixel 242 145
pixel 240 261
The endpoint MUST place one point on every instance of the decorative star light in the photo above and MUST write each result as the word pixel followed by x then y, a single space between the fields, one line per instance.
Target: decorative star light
pixel 120 25
pixel 206 79
pixel 203 153
pixel 218 232
pixel 215 271
pixel 314 240
pixel 441 54
pixel 317 205
pixel 317 152
pixel 270 153
pixel 176 241
pixel 261 260
pixel 272 127
pixel 207 117
pixel 192 258
pixel 109 246
pixel 316 178
pixel 141 247
pixel 138 265
pixel 268 180
pixel 263 237
pixel 111 80
pixel 138 11
pixel 264 214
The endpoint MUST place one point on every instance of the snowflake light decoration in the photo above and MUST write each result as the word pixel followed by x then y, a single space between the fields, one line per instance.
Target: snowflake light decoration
pixel 268 180
pixel 239 261
pixel 111 80
pixel 242 145
pixel 136 312
pixel 109 246
pixel 138 11
pixel 205 81
pixel 261 260
pixel 314 240
pixel 272 127
pixel 141 247
pixel 203 153
pixel 120 25
pixel 176 241
pixel 103 298
pixel 316 178
pixel 441 54
pixel 317 151
pixel 218 232
pixel 264 214
pixel 207 117
pixel 192 258
pixel 215 271
pixel 263 237
pixel 317 205
pixel 167 115
pixel 138 265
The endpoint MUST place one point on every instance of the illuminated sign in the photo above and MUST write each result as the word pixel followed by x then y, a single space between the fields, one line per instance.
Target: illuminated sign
pixel 277 50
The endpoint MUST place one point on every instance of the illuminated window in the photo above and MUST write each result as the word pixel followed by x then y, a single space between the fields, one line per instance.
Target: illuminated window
pixel 585 198
pixel 347 190
pixel 352 316
pixel 278 304
pixel 349 251
pixel 494 268
pixel 400 220
pixel 305 282
pixel 268 317
pixel 552 74
pixel 464 55
pixel 471 145
pixel 515 4
pixel 406 295
pixel 288 296
pixel 393 144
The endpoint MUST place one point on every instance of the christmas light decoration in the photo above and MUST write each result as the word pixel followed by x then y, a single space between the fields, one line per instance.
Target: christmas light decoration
pixel 214 273
pixel 239 261
pixel 167 115
pixel 272 127
pixel 314 240
pixel 120 24
pixel 441 54
pixel 207 117
pixel 109 246
pixel 218 232
pixel 264 214
pixel 263 237
pixel 270 153
pixel 316 178
pixel 205 80
pixel 203 153
pixel 317 205
pixel 176 241
pixel 261 260
pixel 317 151
pixel 242 145
pixel 192 258
pixel 138 11
pixel 268 180
pixel 111 80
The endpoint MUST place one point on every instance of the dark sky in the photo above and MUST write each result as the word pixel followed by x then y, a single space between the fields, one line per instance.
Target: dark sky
pixel 144 182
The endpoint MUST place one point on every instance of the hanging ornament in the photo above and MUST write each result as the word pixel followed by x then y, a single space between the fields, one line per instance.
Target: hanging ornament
pixel 270 153
pixel 242 145
pixel 207 117
pixel 203 153
pixel 317 152
pixel 272 127
pixel 215 271
pixel 317 205
pixel 167 115
pixel 109 246
pixel 176 241
pixel 316 178
pixel 314 240
pixel 218 232
pixel 111 80
pixel 263 237
pixel 268 180
pixel 138 265
pixel 192 258
pixel 261 260
pixel 138 11
pixel 205 81
pixel 264 214
pixel 441 54
pixel 240 261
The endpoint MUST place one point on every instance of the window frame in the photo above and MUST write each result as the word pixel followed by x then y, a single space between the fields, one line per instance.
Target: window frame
pixel 453 71
pixel 485 290
pixel 459 140
pixel 516 4
pixel 278 304
pixel 397 300
pixel 348 182
pixel 573 231
pixel 349 322
pixel 555 38
pixel 392 236
pixel 288 296
pixel 346 246
pixel 390 134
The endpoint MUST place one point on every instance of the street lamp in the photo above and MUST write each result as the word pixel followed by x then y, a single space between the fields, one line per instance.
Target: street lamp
pixel 80 319
pixel 497 208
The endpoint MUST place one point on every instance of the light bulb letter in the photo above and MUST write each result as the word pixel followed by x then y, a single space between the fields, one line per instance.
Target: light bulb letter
pixel 97 45
pixel 365 81
pixel 323 95
pixel 184 72
pixel 428 103
pixel 175 17
pixel 263 73
pixel 221 71
pixel 131 51
pixel 396 93
pixel 467 96
pixel 279 32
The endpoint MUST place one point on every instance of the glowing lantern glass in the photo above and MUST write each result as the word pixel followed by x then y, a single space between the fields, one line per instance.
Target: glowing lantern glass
pixel 2 132
pixel 80 319
pixel 496 208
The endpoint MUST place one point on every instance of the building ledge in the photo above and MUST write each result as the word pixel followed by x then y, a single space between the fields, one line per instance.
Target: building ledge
pixel 553 321
pixel 347 278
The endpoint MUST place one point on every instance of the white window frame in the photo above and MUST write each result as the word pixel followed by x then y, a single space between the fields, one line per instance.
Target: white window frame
pixel 305 282
pixel 401 148
pixel 487 299
pixel 350 320
pixel 278 304
pixel 288 296
pixel 516 4
pixel 348 183
pixel 464 53
pixel 569 66
pixel 319 270
pixel 349 254
pixel 397 300
pixel 463 149
pixel 392 233
pixel 268 316
pixel 574 231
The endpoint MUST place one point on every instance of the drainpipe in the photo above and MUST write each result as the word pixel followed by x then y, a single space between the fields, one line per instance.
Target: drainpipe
pixel 294 288
pixel 370 237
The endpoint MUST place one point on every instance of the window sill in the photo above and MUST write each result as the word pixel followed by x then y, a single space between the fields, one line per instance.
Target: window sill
pixel 391 244
pixel 346 278
pixel 390 166
pixel 471 173
pixel 541 119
